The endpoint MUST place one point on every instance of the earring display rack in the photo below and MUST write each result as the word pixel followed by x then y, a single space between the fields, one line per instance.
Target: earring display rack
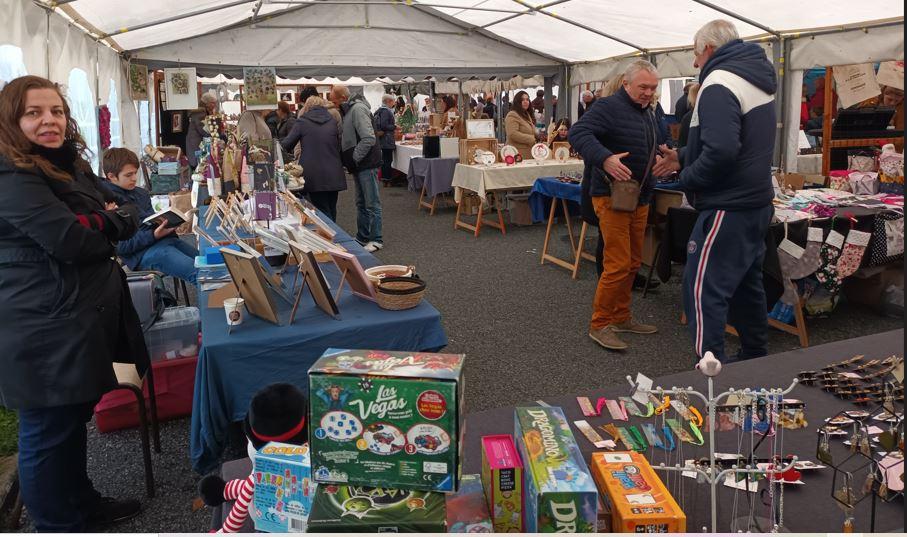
pixel 713 474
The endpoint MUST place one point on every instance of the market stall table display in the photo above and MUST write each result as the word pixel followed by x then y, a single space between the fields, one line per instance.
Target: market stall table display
pixel 806 505
pixel 552 190
pixel 431 177
pixel 233 365
pixel 478 181
pixel 405 151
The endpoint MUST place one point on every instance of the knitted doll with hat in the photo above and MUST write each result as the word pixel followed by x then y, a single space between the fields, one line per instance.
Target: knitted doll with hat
pixel 277 413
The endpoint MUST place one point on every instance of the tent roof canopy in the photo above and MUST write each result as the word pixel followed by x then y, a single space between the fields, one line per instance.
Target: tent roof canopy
pixel 387 37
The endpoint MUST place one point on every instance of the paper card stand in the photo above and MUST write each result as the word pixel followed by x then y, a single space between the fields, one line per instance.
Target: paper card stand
pixel 352 274
pixel 318 285
pixel 250 282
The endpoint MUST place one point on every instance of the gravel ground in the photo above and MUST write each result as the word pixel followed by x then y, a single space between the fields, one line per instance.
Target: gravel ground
pixel 523 327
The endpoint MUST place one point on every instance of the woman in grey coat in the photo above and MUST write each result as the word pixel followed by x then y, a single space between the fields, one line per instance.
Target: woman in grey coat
pixel 319 135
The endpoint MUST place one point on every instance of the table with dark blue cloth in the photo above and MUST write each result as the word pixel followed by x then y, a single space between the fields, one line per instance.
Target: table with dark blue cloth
pixel 435 173
pixel 232 367
pixel 547 188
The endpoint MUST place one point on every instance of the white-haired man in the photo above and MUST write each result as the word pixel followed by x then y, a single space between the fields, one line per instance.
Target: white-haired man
pixel 385 126
pixel 617 139
pixel 726 175
pixel 585 101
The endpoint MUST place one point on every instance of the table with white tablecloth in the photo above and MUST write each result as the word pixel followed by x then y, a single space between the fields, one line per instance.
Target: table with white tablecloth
pixel 450 148
pixel 480 180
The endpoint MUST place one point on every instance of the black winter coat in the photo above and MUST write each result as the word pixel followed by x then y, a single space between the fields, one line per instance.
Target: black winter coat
pixel 320 158
pixel 612 125
pixel 67 314
pixel 385 122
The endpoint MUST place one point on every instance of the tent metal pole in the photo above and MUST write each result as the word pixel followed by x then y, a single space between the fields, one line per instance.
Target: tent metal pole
pixel 176 18
pixel 399 4
pixel 778 59
pixel 47 45
pixel 583 26
pixel 530 10
pixel 731 14
pixel 356 27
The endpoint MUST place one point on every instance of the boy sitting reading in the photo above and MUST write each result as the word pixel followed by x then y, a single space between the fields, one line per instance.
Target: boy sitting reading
pixel 154 246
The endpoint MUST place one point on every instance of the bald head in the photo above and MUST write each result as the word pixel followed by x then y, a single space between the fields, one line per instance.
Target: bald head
pixel 339 95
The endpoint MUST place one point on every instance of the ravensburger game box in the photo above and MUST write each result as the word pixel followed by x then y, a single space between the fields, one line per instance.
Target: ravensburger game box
pixel 559 493
pixel 387 419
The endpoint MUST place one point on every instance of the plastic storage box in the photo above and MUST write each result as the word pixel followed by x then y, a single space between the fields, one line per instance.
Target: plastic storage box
pixel 174 335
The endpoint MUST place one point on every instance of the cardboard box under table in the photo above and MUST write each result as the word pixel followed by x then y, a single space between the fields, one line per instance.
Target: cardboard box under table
pixel 349 509
pixel 639 501
pixel 388 419
pixel 560 496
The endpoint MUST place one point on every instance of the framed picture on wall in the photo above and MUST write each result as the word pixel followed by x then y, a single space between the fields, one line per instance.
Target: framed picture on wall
pixel 176 120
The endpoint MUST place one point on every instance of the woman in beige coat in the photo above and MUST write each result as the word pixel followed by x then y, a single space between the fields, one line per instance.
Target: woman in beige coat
pixel 520 125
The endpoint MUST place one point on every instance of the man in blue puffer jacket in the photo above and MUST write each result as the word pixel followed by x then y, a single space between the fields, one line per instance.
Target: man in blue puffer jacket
pixel 726 175
pixel 617 138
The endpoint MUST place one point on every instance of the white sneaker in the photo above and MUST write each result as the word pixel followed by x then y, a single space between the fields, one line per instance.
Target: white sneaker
pixel 373 246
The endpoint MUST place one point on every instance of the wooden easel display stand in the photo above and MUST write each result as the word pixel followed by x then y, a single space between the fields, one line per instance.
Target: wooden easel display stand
pixel 480 217
pixel 576 247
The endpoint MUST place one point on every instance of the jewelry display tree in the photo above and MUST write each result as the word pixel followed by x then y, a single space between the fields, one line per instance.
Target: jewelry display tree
pixel 713 474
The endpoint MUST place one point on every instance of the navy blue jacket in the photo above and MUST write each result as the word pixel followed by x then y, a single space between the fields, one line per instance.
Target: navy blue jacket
pixel 728 157
pixel 131 250
pixel 384 122
pixel 612 125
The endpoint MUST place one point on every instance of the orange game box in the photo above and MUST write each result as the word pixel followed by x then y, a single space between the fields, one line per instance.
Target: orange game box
pixel 639 501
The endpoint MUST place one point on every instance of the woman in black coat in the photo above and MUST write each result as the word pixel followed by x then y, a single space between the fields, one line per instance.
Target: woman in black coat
pixel 319 135
pixel 66 313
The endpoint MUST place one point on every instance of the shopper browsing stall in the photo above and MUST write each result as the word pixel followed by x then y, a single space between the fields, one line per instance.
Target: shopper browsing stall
pixel 361 156
pixel 67 314
pixel 617 139
pixel 319 136
pixel 727 177
pixel 520 125
pixel 385 126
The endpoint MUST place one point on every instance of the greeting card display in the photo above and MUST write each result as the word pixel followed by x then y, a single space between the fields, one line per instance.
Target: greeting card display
pixel 353 274
pixel 251 283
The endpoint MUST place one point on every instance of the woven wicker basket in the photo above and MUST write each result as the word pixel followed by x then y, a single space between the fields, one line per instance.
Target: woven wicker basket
pixel 399 292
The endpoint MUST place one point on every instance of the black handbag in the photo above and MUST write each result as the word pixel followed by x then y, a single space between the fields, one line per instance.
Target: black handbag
pixel 149 296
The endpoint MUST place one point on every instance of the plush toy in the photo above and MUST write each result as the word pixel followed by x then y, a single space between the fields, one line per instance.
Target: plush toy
pixel 276 414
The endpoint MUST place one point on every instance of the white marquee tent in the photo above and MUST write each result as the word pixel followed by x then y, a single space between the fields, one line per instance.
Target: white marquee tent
pixel 569 42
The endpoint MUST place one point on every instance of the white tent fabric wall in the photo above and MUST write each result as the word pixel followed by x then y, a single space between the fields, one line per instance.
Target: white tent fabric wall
pixel 26 28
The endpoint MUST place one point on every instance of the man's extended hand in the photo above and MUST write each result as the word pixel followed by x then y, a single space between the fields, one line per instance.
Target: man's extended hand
pixel 667 163
pixel 162 230
pixel 616 168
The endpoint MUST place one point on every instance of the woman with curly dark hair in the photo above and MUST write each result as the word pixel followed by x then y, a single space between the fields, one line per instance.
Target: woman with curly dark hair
pixel 66 312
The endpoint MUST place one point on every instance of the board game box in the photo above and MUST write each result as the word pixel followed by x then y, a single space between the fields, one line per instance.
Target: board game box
pixel 639 501
pixel 467 511
pixel 502 476
pixel 283 488
pixel 387 419
pixel 348 509
pixel 560 495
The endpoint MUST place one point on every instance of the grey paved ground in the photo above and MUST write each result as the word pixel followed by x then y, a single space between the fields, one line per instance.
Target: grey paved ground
pixel 522 326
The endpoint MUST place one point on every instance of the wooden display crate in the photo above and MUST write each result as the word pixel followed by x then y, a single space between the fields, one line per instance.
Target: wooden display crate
pixel 468 146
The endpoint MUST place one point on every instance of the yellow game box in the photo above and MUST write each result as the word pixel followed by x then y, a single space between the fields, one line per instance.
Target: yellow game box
pixel 639 501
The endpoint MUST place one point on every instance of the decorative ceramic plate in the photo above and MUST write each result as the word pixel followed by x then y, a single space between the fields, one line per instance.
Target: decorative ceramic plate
pixel 488 158
pixel 541 152
pixel 509 151
pixel 428 439
pixel 562 154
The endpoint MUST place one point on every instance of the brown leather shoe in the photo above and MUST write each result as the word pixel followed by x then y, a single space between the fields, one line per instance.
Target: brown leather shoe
pixel 607 339
pixel 634 327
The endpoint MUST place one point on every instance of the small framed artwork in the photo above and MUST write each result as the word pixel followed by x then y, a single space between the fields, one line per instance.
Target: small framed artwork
pixel 176 121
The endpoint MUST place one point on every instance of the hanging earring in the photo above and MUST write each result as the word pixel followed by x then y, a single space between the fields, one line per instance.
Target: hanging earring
pixel 823 453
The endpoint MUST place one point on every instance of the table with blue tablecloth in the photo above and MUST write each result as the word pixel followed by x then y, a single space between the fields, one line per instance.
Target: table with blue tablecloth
pixel 232 367
pixel 430 177
pixel 543 197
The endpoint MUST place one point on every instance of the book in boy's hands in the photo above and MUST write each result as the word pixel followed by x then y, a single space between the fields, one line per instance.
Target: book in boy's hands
pixel 174 218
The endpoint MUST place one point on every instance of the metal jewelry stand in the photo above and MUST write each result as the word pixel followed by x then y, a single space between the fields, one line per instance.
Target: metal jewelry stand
pixel 710 367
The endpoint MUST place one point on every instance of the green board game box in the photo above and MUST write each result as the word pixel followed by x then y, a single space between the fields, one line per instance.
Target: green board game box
pixel 559 493
pixel 342 509
pixel 387 419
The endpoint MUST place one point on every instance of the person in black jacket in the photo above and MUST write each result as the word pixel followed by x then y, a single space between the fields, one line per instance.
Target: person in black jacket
pixel 385 126
pixel 726 175
pixel 67 314
pixel 684 133
pixel 682 106
pixel 319 135
pixel 617 139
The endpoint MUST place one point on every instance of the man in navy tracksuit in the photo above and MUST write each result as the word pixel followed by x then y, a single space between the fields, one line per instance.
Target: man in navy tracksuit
pixel 726 175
